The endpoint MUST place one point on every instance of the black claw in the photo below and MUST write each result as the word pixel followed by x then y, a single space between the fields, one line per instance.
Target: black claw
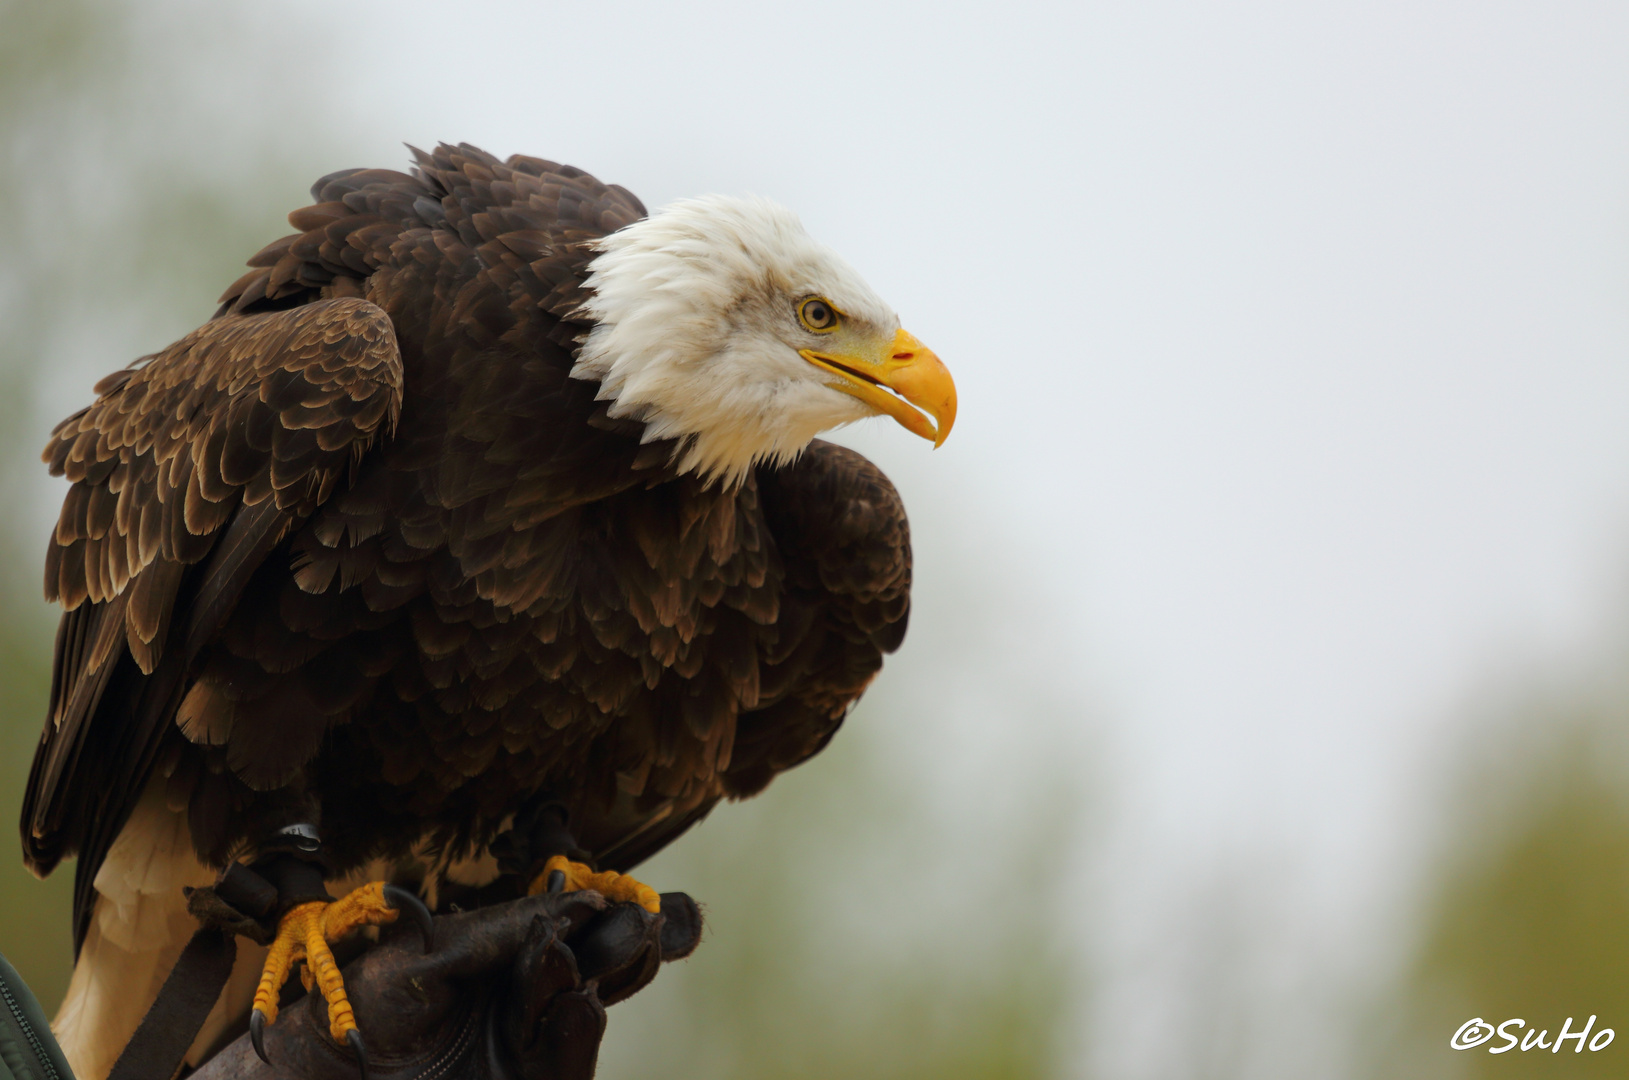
pixel 557 881
pixel 403 900
pixel 257 1033
pixel 354 1037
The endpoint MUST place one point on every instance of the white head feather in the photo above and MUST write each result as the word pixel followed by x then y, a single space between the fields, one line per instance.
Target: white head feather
pixel 697 332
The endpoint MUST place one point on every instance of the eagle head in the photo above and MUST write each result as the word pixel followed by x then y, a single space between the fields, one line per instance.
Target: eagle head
pixel 720 323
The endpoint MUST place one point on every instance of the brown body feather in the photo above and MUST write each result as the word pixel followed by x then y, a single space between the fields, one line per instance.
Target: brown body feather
pixel 360 550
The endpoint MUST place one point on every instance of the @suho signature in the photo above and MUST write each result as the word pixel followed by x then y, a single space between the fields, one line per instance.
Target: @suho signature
pixel 1476 1031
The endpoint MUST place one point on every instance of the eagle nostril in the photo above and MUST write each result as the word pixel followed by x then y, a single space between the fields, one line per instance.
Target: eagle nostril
pixel 904 356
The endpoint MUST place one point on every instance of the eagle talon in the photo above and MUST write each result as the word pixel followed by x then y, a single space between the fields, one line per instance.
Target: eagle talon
pixel 402 900
pixel 354 1037
pixel 257 1033
pixel 304 933
pixel 560 874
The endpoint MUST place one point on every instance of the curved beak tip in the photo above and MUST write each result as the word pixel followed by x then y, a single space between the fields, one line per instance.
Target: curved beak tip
pixel 944 418
pixel 925 382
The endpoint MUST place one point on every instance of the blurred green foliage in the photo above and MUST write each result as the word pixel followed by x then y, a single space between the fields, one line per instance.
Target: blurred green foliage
pixel 47 52
pixel 33 914
pixel 1528 919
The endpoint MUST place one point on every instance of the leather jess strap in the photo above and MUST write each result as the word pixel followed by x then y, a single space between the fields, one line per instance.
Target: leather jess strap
pixel 155 1051
pixel 241 901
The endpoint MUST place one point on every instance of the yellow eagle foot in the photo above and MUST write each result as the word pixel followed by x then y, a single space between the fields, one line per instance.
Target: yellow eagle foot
pixel 560 874
pixel 304 933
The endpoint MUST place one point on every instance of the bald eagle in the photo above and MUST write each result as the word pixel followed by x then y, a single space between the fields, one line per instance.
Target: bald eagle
pixel 484 487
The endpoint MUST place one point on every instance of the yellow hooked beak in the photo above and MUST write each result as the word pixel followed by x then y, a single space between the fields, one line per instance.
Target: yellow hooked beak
pixel 909 369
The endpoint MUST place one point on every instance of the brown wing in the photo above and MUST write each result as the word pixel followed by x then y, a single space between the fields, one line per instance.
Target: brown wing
pixel 186 472
pixel 845 545
pixel 844 538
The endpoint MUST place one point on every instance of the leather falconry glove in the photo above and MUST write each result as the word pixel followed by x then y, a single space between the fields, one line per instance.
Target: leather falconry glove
pixel 517 990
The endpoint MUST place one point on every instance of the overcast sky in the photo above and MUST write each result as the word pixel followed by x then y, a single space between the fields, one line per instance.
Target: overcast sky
pixel 1290 341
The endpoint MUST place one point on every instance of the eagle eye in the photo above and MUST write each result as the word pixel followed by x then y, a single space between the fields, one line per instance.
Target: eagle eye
pixel 817 314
